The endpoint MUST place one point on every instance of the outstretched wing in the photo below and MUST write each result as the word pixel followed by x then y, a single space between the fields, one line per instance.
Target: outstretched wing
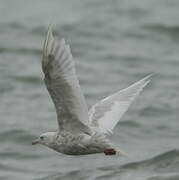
pixel 105 115
pixel 63 85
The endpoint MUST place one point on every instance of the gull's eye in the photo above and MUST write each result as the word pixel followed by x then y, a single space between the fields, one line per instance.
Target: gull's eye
pixel 41 137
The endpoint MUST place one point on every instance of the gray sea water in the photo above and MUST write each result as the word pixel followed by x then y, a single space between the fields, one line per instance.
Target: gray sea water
pixel 114 44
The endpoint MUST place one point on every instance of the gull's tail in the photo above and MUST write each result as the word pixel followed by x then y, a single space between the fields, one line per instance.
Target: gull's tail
pixel 121 153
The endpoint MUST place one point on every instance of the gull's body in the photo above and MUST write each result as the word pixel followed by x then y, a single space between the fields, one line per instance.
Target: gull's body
pixel 79 131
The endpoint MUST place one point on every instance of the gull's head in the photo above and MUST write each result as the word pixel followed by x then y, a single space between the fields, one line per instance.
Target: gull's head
pixel 45 138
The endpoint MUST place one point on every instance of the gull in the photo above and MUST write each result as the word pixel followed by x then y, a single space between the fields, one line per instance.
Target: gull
pixel 80 132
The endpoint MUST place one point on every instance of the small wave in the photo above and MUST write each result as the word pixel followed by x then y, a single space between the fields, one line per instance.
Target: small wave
pixel 172 31
pixel 39 30
pixel 129 123
pixel 17 155
pixel 28 79
pixel 20 51
pixel 16 136
pixel 166 162
pixel 74 174
pixel 11 25
pixel 163 28
pixel 2 166
pixel 154 111
pixel 165 177
pixel 161 167
pixel 5 87
pixel 16 25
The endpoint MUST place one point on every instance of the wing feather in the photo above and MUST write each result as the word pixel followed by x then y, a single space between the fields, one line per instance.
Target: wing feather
pixel 105 114
pixel 63 85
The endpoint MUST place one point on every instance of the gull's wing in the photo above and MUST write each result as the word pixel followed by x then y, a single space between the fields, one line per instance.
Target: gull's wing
pixel 63 85
pixel 105 115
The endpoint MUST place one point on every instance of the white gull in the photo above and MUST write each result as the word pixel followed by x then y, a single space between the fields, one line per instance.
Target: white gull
pixel 80 132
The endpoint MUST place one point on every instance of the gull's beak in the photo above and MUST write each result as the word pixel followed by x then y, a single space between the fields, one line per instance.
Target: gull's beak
pixel 36 141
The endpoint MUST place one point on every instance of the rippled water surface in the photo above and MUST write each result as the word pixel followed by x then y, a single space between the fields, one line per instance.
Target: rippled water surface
pixel 114 44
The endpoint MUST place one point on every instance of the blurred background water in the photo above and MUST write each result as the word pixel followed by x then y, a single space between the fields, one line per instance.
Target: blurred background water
pixel 114 44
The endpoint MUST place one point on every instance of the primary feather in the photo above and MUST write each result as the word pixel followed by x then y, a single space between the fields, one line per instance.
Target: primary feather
pixel 63 85
pixel 105 114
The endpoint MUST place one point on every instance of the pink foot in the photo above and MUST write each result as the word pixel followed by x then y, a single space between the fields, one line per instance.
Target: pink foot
pixel 109 151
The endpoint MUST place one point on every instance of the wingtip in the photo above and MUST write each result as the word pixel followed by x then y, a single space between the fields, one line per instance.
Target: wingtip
pixel 49 32
pixel 50 28
pixel 49 37
pixel 148 77
pixel 47 47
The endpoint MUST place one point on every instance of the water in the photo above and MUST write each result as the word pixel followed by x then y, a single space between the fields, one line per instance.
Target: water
pixel 114 44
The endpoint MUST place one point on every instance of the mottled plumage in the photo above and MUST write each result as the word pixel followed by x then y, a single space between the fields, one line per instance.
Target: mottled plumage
pixel 80 132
